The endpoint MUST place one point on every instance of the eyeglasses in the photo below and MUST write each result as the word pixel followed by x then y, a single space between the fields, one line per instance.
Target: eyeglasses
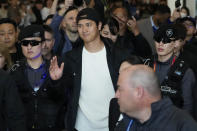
pixel 163 40
pixel 31 42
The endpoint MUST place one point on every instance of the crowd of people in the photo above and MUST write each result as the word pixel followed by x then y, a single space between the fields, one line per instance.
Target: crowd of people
pixel 97 65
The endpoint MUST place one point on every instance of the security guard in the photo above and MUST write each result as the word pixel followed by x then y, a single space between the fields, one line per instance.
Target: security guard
pixel 42 99
pixel 176 78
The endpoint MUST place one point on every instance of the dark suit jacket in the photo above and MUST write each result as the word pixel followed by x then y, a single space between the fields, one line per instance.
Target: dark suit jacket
pixel 146 30
pixel 73 72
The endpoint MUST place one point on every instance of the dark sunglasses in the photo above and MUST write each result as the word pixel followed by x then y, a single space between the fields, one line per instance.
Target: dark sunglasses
pixel 31 42
pixel 163 40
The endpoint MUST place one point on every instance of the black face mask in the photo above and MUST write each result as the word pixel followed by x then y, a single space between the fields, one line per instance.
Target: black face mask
pixel 31 42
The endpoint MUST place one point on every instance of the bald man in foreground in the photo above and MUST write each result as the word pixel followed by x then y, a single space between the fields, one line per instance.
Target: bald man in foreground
pixel 139 98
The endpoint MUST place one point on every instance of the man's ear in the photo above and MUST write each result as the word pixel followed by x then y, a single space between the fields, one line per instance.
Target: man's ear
pixel 195 31
pixel 62 25
pixel 99 26
pixel 140 91
pixel 53 42
pixel 17 33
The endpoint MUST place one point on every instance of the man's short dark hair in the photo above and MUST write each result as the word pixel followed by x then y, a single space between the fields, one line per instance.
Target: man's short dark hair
pixel 163 9
pixel 48 17
pixel 181 31
pixel 113 1
pixel 188 18
pixel 70 9
pixel 133 60
pixel 122 7
pixel 113 25
pixel 78 3
pixel 48 29
pixel 8 21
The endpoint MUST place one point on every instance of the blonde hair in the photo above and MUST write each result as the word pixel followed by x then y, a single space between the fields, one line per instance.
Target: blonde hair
pixel 5 53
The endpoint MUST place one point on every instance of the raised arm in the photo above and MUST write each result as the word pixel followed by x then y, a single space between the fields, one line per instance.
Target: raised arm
pixel 54 7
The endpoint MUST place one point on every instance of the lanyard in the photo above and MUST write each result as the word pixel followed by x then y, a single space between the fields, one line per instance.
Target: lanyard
pixel 154 68
pixel 130 124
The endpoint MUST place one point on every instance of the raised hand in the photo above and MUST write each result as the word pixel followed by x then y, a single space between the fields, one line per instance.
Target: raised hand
pixel 68 3
pixel 175 15
pixel 54 70
pixel 132 24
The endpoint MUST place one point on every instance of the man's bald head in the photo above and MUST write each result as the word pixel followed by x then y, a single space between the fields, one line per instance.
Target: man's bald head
pixel 144 76
pixel 138 88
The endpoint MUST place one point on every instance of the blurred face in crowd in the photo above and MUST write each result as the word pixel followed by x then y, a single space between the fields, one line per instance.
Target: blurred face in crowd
pixel 2 61
pixel 162 18
pixel 121 15
pixel 49 3
pixel 39 6
pixel 13 2
pixel 183 12
pixel 178 45
pixel 31 47
pixel 8 35
pixel 88 30
pixel 48 43
pixel 69 22
pixel 191 29
pixel 165 50
pixel 105 32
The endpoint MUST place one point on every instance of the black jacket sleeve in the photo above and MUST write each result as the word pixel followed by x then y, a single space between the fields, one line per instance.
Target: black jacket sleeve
pixel 14 109
pixel 142 47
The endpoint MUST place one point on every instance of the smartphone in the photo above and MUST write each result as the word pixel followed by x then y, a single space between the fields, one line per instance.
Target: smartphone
pixel 177 3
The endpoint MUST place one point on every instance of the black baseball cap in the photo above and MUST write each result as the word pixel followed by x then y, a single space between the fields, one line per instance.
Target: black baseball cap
pixel 89 13
pixel 166 33
pixel 31 31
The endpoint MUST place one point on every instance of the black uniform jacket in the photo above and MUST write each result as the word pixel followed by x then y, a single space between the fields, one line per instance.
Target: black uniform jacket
pixel 12 114
pixel 73 73
pixel 42 108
